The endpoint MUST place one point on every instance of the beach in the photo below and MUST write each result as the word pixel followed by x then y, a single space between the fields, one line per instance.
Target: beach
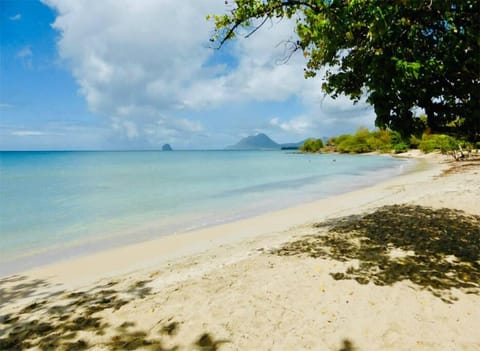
pixel 271 282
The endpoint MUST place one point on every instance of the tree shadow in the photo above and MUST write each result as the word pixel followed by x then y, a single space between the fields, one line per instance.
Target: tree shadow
pixel 17 287
pixel 435 249
pixel 49 325
pixel 347 345
pixel 132 340
pixel 207 343
pixel 139 289
pixel 55 322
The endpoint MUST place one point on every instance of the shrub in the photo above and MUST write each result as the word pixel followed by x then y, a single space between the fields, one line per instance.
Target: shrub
pixel 380 140
pixel 312 145
pixel 441 142
pixel 415 142
pixel 365 141
pixel 401 147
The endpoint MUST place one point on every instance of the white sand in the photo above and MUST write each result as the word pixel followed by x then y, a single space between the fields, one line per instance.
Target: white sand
pixel 221 281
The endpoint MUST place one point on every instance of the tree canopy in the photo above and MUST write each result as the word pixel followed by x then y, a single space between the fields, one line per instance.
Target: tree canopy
pixel 312 145
pixel 400 54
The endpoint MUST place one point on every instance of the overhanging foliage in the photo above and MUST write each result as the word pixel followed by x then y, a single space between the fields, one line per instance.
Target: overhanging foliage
pixel 401 54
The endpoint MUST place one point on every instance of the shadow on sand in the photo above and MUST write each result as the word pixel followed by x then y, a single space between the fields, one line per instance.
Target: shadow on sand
pixel 435 249
pixel 61 322
pixel 17 287
pixel 347 345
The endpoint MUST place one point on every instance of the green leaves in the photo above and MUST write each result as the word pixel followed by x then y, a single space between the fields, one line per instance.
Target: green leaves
pixel 402 55
pixel 408 69
pixel 312 145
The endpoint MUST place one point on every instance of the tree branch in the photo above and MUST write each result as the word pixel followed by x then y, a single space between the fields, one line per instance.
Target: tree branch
pixel 267 11
pixel 257 27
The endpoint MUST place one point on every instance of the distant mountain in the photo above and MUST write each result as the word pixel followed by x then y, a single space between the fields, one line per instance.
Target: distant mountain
pixel 255 142
pixel 263 142
pixel 167 147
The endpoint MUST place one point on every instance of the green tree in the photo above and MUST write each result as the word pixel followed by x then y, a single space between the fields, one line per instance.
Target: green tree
pixel 401 54
pixel 312 145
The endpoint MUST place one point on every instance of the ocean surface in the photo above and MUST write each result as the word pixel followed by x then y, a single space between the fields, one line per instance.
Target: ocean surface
pixel 55 205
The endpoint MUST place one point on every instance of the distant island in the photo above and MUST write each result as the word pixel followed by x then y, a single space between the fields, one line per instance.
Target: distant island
pixel 262 141
pixel 167 147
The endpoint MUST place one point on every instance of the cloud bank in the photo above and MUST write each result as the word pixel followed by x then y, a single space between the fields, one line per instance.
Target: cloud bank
pixel 148 67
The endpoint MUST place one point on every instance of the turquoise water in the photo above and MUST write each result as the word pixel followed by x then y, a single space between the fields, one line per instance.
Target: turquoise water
pixel 59 204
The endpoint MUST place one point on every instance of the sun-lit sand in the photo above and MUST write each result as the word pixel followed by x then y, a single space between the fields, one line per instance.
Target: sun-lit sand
pixel 303 278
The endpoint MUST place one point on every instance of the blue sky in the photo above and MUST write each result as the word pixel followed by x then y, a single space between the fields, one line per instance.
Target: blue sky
pixel 120 74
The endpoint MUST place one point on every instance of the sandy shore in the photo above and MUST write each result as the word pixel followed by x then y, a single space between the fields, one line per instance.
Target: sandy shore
pixel 294 279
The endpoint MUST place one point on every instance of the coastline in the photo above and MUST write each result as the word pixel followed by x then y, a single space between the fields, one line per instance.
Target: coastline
pixel 17 261
pixel 147 253
pixel 218 286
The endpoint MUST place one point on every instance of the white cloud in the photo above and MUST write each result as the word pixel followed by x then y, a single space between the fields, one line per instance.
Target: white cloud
pixel 133 52
pixel 24 52
pixel 16 17
pixel 57 135
pixel 154 127
pixel 327 118
pixel 261 73
pixel 143 63
pixel 298 125
pixel 153 54
pixel 134 59
pixel 131 129
pixel 26 133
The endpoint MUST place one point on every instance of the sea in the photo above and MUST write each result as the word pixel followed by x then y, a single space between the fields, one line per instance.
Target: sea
pixel 58 205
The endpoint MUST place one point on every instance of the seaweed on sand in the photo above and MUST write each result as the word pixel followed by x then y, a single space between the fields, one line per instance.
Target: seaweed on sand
pixel 436 249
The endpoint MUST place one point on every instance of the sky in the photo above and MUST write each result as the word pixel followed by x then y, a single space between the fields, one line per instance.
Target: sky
pixel 124 74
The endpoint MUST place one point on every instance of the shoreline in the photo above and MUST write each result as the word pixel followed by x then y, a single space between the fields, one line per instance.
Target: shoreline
pixel 238 287
pixel 188 242
pixel 148 231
